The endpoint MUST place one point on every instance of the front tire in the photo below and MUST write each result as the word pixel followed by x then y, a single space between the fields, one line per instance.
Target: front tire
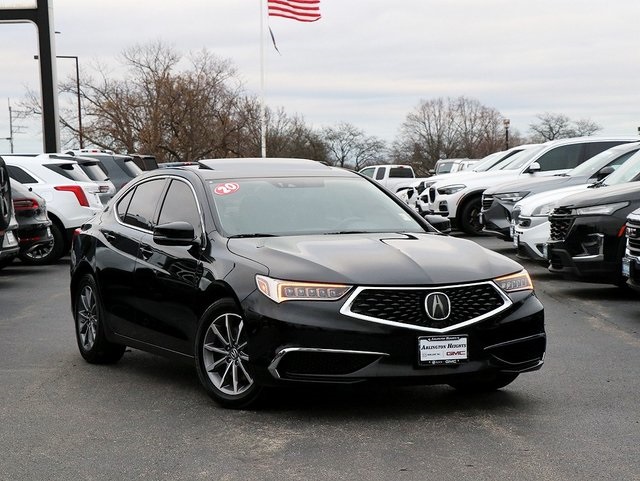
pixel 89 320
pixel 469 216
pixel 221 356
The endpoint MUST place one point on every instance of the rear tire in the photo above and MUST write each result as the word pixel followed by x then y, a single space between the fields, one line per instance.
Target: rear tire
pixel 479 385
pixel 90 330
pixel 47 253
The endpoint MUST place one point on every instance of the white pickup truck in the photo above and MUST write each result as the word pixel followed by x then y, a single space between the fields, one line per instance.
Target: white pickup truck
pixel 394 177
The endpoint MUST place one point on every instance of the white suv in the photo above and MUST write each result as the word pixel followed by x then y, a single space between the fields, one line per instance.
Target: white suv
pixel 460 198
pixel 72 198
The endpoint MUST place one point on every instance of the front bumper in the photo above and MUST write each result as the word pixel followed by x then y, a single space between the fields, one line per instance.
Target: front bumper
pixel 309 341
pixel 634 272
pixel 590 251
pixel 530 236
pixel 496 218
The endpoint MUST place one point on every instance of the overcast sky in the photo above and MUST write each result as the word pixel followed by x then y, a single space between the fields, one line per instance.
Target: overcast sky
pixel 369 62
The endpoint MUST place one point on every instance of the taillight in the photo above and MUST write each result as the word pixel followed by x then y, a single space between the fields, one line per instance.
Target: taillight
pixel 21 205
pixel 77 190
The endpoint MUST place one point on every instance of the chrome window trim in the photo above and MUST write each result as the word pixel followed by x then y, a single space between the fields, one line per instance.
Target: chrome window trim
pixel 163 177
pixel 273 367
pixel 346 308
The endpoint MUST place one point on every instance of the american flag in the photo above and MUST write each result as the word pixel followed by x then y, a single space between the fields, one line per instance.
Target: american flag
pixel 300 10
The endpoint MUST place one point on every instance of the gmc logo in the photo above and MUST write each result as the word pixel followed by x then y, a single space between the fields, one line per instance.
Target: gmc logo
pixel 455 353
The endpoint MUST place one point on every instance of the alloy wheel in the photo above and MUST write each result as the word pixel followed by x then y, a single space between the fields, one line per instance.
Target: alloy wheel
pixel 224 356
pixel 87 317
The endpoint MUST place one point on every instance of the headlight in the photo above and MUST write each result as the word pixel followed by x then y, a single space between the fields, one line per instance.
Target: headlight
pixel 543 210
pixel 511 196
pixel 604 209
pixel 450 189
pixel 515 282
pixel 281 291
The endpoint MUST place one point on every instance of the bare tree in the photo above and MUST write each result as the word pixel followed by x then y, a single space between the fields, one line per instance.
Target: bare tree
pixel 559 126
pixel 448 128
pixel 348 146
pixel 585 128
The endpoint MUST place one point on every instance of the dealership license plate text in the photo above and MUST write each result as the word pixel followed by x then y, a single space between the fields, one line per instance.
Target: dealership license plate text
pixel 442 349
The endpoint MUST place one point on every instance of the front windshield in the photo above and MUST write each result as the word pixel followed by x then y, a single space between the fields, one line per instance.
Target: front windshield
pixel 610 157
pixel 487 162
pixel 626 172
pixel 521 159
pixel 306 205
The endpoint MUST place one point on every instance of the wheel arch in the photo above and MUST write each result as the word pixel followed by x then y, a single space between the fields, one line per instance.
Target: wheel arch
pixel 465 200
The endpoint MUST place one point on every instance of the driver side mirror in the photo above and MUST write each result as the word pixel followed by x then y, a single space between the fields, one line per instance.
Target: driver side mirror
pixel 533 168
pixel 605 171
pixel 177 233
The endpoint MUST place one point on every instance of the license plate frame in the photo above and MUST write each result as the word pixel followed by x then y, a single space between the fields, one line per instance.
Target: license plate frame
pixel 443 350
pixel 626 267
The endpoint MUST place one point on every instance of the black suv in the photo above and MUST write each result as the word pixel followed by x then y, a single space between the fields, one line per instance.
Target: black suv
pixel 587 233
pixel 631 261
pixel 120 168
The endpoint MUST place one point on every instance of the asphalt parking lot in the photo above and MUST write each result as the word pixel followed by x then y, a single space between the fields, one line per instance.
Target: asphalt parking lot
pixel 147 417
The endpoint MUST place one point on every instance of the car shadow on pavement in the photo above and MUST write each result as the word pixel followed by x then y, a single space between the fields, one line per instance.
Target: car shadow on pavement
pixel 156 377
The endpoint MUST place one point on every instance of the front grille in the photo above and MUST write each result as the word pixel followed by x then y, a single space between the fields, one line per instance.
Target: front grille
pixel 432 194
pixel 487 200
pixel 407 306
pixel 633 234
pixel 560 221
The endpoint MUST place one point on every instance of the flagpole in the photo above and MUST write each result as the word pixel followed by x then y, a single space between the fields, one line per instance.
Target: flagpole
pixel 263 113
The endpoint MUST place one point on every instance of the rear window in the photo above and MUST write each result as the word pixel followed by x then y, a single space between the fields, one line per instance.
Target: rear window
pixel 93 171
pixel 70 171
pixel 130 167
pixel 401 172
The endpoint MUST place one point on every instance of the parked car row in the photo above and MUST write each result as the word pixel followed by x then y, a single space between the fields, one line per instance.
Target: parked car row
pixel 53 194
pixel 573 220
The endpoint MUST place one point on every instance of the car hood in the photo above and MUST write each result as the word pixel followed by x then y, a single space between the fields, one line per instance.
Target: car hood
pixel 375 259
pixel 604 195
pixel 481 178
pixel 530 203
pixel 536 184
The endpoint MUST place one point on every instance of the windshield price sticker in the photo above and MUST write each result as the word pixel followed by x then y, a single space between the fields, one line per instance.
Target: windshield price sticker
pixel 442 349
pixel 226 188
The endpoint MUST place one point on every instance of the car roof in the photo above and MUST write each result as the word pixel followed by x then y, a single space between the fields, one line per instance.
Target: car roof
pixel 267 167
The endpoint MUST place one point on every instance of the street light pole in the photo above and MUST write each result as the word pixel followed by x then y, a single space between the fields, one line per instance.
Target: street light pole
pixel 506 123
pixel 78 92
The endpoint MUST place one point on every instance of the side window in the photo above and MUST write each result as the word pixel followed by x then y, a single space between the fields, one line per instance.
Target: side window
pixel 368 171
pixel 180 204
pixel 564 157
pixel 621 160
pixel 142 207
pixel 380 173
pixel 594 148
pixel 123 204
pixel 20 175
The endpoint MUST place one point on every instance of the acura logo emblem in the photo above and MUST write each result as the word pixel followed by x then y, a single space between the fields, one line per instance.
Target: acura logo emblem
pixel 438 306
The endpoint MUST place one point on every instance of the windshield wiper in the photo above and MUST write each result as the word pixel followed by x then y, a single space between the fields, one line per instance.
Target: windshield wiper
pixel 247 236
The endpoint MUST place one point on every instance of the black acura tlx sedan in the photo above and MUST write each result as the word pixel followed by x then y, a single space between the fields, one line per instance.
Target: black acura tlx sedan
pixel 270 271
